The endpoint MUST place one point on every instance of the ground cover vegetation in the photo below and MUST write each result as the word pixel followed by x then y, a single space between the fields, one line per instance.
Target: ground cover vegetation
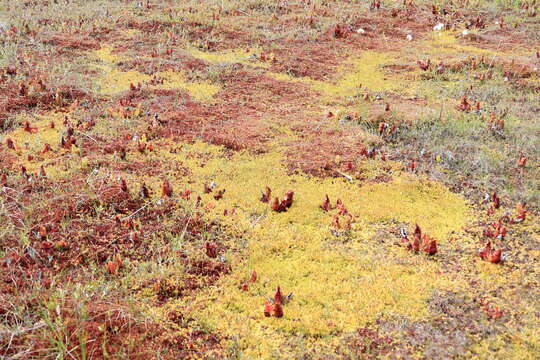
pixel 252 179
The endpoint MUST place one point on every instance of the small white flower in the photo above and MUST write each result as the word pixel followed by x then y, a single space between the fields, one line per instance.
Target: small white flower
pixel 535 69
pixel 465 32
pixel 438 27
pixel 360 31
pixel 409 37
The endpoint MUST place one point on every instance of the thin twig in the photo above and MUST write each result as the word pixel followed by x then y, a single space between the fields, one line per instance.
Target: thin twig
pixel 440 113
pixel 258 219
pixel 495 54
pixel 88 136
pixel 185 227
pixel 141 208
pixel 36 326
pixel 346 176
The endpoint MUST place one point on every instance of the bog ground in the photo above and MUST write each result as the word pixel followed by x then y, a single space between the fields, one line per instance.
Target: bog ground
pixel 258 179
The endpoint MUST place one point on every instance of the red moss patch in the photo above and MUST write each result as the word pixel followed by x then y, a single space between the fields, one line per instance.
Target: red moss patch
pixel 104 329
pixel 72 41
pixel 15 96
pixel 316 150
